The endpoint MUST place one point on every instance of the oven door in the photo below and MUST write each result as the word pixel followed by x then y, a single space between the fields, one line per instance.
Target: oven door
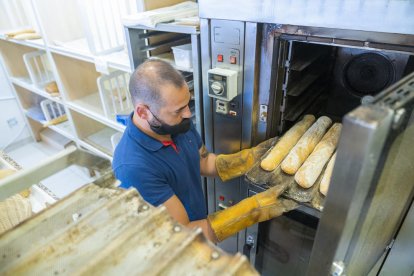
pixel 282 246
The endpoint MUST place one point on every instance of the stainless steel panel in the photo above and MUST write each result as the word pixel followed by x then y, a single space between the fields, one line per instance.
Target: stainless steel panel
pixel 134 44
pixel 388 16
pixel 207 105
pixel 250 100
pixel 195 50
pixel 225 131
pixel 250 86
pixel 266 79
pixel 387 203
pixel 353 175
pixel 400 259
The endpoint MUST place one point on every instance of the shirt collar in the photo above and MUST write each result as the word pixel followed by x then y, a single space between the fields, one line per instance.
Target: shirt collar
pixel 143 139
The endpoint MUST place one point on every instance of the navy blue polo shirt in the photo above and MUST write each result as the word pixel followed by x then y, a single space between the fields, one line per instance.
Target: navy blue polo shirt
pixel 158 172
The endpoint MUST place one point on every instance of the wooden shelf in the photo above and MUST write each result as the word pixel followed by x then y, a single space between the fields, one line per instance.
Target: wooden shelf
pixel 93 134
pixel 13 58
pixel 65 129
pixel 34 43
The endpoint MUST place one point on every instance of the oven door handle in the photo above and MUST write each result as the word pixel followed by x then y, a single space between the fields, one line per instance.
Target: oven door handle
pixel 248 246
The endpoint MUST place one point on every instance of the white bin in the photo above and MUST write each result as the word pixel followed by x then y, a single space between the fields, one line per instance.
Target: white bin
pixel 115 138
pixel 183 56
pixel 16 14
pixel 52 110
pixel 38 66
pixel 114 93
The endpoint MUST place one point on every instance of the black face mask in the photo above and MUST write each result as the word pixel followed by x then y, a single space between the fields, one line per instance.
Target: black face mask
pixel 163 128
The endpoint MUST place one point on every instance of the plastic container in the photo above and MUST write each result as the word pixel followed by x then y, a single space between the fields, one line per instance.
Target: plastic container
pixel 39 69
pixel 114 94
pixel 183 56
pixel 51 110
pixel 115 138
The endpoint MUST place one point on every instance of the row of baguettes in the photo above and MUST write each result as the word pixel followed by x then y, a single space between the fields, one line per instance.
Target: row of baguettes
pixel 304 150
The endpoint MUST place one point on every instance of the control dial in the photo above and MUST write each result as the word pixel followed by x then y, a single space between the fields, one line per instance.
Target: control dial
pixel 217 87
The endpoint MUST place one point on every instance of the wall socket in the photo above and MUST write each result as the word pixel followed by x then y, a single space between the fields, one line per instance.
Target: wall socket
pixel 12 122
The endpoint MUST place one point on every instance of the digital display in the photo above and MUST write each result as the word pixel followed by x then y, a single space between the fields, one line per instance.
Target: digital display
pixel 217 78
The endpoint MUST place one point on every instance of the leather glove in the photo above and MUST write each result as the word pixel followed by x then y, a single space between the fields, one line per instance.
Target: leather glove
pixel 230 166
pixel 260 207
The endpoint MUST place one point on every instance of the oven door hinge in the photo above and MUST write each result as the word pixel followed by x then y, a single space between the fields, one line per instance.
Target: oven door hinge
pixel 390 245
pixel 263 113
pixel 338 268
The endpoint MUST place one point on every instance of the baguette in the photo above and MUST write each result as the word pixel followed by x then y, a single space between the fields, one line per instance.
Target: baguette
pixel 286 143
pixel 305 145
pixel 12 34
pixel 27 36
pixel 313 166
pixel 326 179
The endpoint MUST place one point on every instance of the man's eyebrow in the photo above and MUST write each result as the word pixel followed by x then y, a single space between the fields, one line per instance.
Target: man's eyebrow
pixel 181 108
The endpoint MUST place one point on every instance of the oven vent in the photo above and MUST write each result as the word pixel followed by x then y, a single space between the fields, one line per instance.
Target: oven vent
pixel 398 94
pixel 368 73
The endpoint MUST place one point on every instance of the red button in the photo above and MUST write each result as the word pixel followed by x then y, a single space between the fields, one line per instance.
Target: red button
pixel 220 58
pixel 221 198
pixel 233 60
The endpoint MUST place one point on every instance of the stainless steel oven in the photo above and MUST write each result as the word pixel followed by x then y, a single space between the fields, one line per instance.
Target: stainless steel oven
pixel 267 63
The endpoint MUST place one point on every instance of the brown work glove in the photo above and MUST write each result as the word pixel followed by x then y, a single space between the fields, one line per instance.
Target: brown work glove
pixel 254 209
pixel 230 166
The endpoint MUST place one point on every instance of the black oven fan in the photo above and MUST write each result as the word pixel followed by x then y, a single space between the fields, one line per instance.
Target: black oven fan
pixel 368 74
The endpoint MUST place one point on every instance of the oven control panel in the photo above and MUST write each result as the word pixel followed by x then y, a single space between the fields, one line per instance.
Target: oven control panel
pixel 222 84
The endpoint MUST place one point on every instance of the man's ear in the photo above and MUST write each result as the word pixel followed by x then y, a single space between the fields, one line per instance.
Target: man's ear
pixel 142 111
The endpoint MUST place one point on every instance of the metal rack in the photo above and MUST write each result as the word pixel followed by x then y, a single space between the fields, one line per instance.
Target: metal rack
pixel 145 42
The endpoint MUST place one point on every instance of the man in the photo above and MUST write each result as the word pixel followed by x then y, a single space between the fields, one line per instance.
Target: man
pixel 162 155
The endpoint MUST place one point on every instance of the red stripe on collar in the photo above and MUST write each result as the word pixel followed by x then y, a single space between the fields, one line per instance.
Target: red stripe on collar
pixel 170 143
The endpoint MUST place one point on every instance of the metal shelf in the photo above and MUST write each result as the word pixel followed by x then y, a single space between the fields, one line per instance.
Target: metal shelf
pixel 171 28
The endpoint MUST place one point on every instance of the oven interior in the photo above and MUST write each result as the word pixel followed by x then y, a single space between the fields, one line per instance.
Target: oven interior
pixel 330 80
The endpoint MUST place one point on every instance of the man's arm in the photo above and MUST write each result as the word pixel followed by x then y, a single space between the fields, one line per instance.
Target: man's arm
pixel 207 162
pixel 178 212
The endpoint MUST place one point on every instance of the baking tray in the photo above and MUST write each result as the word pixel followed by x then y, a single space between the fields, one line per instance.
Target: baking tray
pixel 310 197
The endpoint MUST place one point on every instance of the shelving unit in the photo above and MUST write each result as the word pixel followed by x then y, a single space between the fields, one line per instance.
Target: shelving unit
pixel 93 134
pixel 90 65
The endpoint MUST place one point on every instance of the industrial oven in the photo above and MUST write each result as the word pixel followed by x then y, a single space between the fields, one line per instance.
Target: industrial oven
pixel 267 63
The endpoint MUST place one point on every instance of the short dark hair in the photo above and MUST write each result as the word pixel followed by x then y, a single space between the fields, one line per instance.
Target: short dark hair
pixel 145 82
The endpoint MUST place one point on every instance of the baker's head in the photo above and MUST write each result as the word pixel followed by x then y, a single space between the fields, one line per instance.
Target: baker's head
pixel 160 96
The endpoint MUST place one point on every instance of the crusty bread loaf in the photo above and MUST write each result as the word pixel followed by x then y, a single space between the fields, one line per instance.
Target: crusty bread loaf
pixel 286 143
pixel 305 145
pixel 313 166
pixel 326 178
pixel 12 34
pixel 27 36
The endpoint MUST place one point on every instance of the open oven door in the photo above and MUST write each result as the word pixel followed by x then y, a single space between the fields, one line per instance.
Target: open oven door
pixel 364 227
pixel 371 187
